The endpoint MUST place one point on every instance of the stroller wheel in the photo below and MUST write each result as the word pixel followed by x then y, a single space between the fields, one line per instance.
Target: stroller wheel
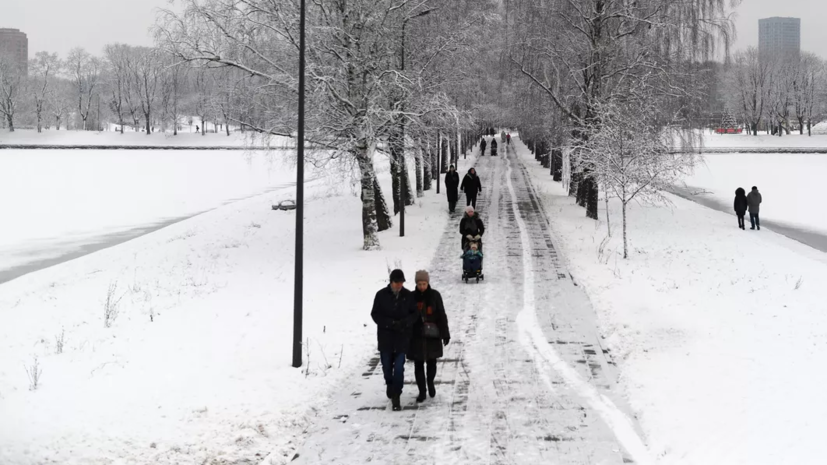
pixel 478 279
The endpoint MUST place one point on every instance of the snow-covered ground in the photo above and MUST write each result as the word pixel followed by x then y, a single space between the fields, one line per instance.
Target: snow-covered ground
pixel 55 202
pixel 719 333
pixel 195 367
pixel 762 140
pixel 790 184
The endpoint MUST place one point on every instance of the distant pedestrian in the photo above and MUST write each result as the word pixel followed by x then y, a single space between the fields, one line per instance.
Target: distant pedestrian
pixel 471 186
pixel 740 205
pixel 482 147
pixel 508 139
pixel 197 129
pixel 394 312
pixel 493 147
pixel 430 333
pixel 754 202
pixel 451 186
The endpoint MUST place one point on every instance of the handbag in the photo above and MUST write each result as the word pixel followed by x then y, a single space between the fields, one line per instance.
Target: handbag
pixel 430 330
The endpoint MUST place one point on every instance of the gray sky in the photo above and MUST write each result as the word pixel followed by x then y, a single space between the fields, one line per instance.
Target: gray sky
pixel 59 25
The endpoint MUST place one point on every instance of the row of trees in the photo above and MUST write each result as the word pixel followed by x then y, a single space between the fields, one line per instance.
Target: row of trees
pixel 141 88
pixel 771 90
pixel 621 83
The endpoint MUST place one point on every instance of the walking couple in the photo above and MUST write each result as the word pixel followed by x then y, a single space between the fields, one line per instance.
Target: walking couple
pixel 410 324
pixel 751 202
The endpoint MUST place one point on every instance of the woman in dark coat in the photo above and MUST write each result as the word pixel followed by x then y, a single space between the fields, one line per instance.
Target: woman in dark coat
pixel 451 186
pixel 740 206
pixel 425 348
pixel 482 147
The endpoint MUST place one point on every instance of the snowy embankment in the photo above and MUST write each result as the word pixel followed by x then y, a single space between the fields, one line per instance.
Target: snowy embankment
pixel 719 333
pixel 195 364
pixel 110 138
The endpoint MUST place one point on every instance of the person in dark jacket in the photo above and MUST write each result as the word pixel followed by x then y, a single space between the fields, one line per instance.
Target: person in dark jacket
pixel 740 206
pixel 471 186
pixel 471 225
pixel 426 346
pixel 494 147
pixel 482 147
pixel 754 203
pixel 395 313
pixel 451 186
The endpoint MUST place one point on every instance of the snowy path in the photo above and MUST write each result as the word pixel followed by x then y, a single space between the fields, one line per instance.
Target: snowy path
pixel 524 379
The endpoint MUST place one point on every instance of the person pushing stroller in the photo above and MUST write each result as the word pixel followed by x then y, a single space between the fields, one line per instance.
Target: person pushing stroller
pixel 471 228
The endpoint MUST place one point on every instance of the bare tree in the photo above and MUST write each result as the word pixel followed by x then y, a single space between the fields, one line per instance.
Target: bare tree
pixel 146 76
pixel 173 88
pixel 44 68
pixel 117 77
pixel 630 152
pixel 60 101
pixel 752 78
pixel 85 71
pixel 12 84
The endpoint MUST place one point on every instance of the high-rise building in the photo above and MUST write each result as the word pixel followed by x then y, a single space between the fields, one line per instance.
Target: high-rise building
pixel 15 45
pixel 779 36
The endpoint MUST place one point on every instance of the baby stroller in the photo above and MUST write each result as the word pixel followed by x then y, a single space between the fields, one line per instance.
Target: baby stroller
pixel 494 148
pixel 472 260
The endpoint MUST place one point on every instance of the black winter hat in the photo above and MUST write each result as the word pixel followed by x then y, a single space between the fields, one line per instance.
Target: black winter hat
pixel 397 276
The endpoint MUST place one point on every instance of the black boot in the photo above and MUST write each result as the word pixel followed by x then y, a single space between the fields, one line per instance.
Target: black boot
pixel 389 391
pixel 431 388
pixel 395 402
pixel 421 397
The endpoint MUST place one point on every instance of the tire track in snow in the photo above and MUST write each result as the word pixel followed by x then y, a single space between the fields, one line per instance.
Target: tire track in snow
pixel 534 341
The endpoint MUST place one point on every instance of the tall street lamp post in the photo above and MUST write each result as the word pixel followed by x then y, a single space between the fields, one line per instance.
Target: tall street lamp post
pixel 403 186
pixel 298 273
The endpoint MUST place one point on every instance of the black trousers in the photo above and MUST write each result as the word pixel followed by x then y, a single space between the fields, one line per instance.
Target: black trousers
pixel 471 200
pixel 741 221
pixel 419 372
pixel 753 218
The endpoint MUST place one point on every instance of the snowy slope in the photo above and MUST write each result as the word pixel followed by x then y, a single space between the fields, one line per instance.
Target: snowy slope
pixel 196 366
pixel 718 331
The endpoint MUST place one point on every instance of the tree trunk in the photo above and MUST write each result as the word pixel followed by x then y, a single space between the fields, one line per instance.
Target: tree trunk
pixel 625 237
pixel 428 168
pixel 369 200
pixel 148 127
pixel 10 120
pixel 227 127
pixel 420 189
pixel 409 195
pixel 395 169
pixel 203 127
pixel 592 197
pixel 446 154
pixel 558 165
pixel 383 216
pixel 809 128
pixel 801 126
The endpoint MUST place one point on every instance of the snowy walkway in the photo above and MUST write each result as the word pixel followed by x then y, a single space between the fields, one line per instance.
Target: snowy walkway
pixel 524 379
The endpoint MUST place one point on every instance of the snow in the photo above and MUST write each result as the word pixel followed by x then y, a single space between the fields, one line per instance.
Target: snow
pixel 719 333
pixel 196 366
pixel 790 184
pixel 61 200
pixel 744 140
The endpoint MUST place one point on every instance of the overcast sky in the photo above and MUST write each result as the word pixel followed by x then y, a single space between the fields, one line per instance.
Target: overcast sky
pixel 59 25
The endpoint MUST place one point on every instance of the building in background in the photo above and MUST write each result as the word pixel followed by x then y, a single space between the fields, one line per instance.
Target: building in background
pixel 779 36
pixel 15 45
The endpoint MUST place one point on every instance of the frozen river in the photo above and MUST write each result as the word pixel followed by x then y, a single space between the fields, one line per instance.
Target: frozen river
pixel 56 205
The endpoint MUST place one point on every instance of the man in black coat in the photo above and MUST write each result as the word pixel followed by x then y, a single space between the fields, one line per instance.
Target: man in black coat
pixel 472 187
pixel 426 343
pixel 451 186
pixel 482 147
pixel 754 202
pixel 394 312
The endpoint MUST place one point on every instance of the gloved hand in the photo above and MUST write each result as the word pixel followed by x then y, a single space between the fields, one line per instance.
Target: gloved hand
pixel 477 237
pixel 469 237
pixel 446 341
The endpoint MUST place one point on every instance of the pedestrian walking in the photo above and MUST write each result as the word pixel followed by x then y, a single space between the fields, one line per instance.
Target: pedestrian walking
pixel 754 203
pixel 482 147
pixel 471 226
pixel 430 333
pixel 394 312
pixel 508 139
pixel 471 186
pixel 494 147
pixel 451 186
pixel 740 205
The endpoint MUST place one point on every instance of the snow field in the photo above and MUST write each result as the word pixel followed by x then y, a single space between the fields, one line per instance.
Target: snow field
pixel 716 330
pixel 196 364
